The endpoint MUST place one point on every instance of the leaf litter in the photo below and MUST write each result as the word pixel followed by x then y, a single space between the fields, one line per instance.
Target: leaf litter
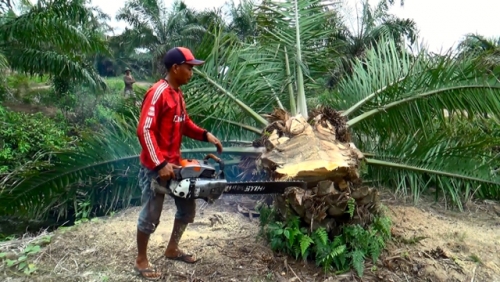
pixel 430 244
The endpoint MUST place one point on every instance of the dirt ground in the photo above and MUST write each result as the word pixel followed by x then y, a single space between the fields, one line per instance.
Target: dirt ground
pixel 430 244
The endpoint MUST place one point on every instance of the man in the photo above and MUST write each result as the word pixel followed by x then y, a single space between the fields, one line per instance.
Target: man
pixel 163 122
pixel 129 80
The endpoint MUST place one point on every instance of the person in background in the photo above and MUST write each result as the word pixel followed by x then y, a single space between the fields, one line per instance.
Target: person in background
pixel 129 82
pixel 162 124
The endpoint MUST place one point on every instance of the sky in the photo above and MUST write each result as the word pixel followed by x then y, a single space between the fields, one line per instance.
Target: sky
pixel 441 23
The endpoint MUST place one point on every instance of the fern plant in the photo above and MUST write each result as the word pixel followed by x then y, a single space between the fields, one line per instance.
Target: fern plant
pixel 340 253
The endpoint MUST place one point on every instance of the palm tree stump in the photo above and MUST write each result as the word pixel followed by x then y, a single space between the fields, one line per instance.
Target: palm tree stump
pixel 320 153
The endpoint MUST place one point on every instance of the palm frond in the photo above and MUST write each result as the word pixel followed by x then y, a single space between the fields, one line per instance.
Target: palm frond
pixel 392 87
pixel 102 170
pixel 3 62
pixel 235 83
pixel 102 161
pixel 298 27
pixel 396 104
pixel 51 37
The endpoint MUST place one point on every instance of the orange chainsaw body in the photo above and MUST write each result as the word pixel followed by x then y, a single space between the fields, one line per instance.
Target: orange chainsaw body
pixel 194 164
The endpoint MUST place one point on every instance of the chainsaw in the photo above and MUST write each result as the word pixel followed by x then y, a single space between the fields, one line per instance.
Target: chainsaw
pixel 199 180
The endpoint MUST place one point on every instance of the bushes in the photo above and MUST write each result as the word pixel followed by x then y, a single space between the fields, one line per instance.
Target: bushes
pixel 32 143
pixel 24 136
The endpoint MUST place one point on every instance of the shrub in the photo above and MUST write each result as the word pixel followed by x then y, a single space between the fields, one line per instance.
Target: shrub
pixel 24 136
pixel 333 253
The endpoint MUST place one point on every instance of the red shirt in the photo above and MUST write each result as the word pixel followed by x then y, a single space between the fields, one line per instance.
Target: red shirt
pixel 162 124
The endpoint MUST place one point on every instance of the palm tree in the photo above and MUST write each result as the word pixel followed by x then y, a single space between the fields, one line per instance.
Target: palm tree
pixel 392 105
pixel 157 28
pixel 486 50
pixel 53 37
pixel 243 19
pixel 391 108
pixel 371 24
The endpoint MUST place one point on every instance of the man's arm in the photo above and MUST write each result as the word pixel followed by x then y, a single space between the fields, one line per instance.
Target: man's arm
pixel 128 80
pixel 190 129
pixel 148 125
pixel 193 131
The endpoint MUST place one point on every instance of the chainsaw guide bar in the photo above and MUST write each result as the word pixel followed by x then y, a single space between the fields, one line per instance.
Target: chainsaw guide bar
pixel 261 187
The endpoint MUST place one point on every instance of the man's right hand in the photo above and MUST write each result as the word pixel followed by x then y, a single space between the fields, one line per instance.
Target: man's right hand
pixel 167 172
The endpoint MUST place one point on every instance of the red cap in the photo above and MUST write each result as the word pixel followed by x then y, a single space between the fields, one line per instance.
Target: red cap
pixel 180 55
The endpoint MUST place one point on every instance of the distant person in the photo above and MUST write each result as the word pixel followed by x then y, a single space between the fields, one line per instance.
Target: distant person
pixel 129 82
pixel 162 124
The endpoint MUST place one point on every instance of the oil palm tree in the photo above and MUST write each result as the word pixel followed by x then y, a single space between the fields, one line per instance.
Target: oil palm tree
pixel 393 104
pixel 158 28
pixel 369 26
pixel 243 19
pixel 53 37
pixel 485 49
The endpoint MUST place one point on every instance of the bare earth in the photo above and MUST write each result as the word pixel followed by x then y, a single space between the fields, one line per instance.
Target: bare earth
pixel 429 244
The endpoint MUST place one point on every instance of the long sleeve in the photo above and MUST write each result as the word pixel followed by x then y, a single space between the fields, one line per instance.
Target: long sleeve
pixel 192 130
pixel 148 126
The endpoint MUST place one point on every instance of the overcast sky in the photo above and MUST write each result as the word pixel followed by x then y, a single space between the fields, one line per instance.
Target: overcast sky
pixel 441 22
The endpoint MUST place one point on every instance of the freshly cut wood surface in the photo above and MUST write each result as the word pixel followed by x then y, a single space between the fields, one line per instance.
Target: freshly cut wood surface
pixel 318 151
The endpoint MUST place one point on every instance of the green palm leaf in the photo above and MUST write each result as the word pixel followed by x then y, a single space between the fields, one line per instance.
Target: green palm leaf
pixel 397 115
pixel 54 38
pixel 414 90
pixel 296 31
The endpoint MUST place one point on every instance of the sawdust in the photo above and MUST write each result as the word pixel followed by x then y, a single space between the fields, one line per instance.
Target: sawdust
pixel 429 245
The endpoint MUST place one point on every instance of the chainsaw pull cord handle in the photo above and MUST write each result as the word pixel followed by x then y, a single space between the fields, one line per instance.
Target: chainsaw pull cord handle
pixel 217 160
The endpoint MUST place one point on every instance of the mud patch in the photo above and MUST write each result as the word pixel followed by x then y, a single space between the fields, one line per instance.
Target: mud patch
pixel 429 245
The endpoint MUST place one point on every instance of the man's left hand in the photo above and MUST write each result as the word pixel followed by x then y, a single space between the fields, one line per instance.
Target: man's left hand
pixel 212 139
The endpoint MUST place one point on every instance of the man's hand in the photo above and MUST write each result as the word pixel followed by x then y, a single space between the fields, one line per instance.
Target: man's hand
pixel 212 139
pixel 167 172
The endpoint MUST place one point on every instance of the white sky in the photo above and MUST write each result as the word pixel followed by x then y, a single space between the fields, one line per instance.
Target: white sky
pixel 442 23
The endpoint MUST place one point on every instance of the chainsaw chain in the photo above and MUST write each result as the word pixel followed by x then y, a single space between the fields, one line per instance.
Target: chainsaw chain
pixel 267 181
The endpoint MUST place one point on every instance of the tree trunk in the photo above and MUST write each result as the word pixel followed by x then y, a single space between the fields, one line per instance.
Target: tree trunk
pixel 319 152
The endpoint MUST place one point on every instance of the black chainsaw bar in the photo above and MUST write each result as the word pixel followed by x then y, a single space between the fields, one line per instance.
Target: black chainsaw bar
pixel 261 187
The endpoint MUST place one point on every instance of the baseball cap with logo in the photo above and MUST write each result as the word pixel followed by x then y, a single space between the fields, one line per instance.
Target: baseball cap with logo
pixel 180 55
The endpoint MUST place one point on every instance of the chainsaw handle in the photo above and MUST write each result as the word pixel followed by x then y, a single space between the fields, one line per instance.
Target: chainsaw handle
pixel 177 173
pixel 217 160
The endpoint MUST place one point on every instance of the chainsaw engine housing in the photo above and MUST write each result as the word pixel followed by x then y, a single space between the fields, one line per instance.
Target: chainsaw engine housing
pixel 198 180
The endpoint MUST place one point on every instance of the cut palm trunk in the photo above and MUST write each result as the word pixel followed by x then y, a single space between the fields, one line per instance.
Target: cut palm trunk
pixel 319 152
